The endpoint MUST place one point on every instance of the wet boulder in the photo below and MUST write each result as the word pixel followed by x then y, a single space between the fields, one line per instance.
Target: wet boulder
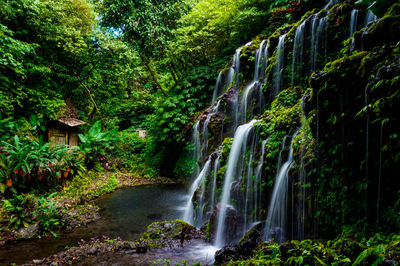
pixel 168 234
pixel 244 250
pixel 29 232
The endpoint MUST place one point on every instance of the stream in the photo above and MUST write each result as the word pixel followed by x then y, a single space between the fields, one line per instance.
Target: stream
pixel 125 213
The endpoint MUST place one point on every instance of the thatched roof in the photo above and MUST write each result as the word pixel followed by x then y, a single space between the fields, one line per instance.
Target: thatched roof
pixel 71 122
pixel 69 115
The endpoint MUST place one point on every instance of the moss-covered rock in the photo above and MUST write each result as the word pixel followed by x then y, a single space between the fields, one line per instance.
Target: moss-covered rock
pixel 167 234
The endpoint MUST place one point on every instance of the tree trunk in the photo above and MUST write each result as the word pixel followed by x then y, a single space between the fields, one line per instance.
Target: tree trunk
pixel 158 85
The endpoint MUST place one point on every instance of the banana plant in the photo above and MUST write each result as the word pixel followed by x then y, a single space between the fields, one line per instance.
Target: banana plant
pixel 95 142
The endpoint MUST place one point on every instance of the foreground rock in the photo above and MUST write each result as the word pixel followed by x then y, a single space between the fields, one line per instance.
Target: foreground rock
pixel 242 251
pixel 168 234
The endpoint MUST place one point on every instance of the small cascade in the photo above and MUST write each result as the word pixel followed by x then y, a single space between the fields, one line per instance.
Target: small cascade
pixel 259 72
pixel 214 183
pixel 261 60
pixel 300 194
pixel 353 26
pixel 258 181
pixel 319 28
pixel 233 170
pixel 218 88
pixel 353 21
pixel 196 152
pixel 298 48
pixel 235 104
pixel 279 67
pixel 331 3
pixel 250 186
pixel 369 18
pixel 253 187
pixel 277 212
pixel 189 210
pixel 204 142
pixel 245 98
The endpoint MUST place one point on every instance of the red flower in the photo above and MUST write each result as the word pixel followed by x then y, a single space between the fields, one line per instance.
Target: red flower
pixel 65 174
pixel 68 169
pixel 16 171
pixel 40 176
pixel 9 183
pixel 59 174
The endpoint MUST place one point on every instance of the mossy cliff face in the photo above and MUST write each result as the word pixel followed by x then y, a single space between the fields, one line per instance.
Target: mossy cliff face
pixel 347 148
pixel 356 126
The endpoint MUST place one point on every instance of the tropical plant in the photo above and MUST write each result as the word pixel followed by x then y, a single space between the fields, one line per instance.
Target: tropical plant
pixel 16 209
pixel 30 162
pixel 95 142
pixel 48 215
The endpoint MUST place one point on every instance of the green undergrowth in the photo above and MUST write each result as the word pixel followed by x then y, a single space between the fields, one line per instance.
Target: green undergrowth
pixel 344 250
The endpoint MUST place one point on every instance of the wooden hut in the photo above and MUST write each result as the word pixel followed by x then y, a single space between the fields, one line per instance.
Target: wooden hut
pixel 64 131
pixel 142 133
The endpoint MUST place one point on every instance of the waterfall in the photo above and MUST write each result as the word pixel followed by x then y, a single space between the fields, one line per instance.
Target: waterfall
pixel 217 88
pixel 301 191
pixel 214 183
pixel 369 18
pixel 261 60
pixel 353 26
pixel 353 21
pixel 279 67
pixel 189 211
pixel 235 104
pixel 258 176
pixel 250 187
pixel 298 47
pixel 196 152
pixel 237 150
pixel 204 142
pixel 319 27
pixel 277 212
pixel 331 3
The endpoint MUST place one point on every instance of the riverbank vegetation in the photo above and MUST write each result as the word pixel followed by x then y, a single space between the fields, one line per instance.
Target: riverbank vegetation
pixel 326 105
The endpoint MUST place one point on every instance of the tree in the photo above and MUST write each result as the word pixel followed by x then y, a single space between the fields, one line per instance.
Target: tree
pixel 146 25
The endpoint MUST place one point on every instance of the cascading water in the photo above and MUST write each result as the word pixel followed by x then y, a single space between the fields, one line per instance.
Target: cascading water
pixel 331 3
pixel 249 185
pixel 259 72
pixel 300 192
pixel 204 142
pixel 369 18
pixel 218 88
pixel 319 27
pixel 258 181
pixel 353 26
pixel 189 211
pixel 278 68
pixel 196 152
pixel 353 21
pixel 298 47
pixel 277 212
pixel 214 183
pixel 237 150
pixel 236 78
